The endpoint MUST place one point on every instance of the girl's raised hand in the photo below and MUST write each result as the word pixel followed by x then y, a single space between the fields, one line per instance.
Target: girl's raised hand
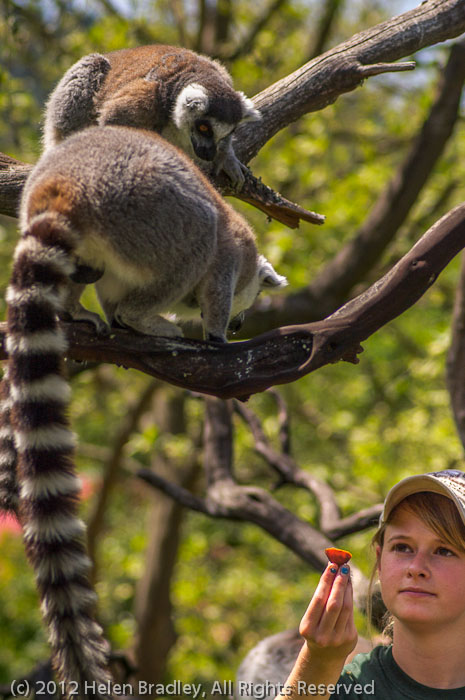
pixel 328 625
pixel 330 635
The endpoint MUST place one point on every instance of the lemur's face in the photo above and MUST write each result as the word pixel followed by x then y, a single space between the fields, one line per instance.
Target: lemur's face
pixel 206 136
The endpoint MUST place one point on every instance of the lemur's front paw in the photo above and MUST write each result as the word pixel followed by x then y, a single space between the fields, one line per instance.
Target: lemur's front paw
pixel 101 327
pixel 232 166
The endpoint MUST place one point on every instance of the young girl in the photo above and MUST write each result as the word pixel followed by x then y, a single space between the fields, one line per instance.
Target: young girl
pixel 420 562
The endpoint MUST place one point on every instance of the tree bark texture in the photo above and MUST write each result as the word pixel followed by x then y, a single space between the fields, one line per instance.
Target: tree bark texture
pixel 284 354
pixel 350 266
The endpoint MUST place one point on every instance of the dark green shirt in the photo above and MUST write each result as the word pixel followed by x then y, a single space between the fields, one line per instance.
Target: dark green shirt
pixel 376 675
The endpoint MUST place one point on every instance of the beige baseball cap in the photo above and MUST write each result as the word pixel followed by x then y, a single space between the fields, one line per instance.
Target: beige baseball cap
pixel 450 483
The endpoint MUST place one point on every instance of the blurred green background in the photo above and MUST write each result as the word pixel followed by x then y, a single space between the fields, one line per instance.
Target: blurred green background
pixel 359 428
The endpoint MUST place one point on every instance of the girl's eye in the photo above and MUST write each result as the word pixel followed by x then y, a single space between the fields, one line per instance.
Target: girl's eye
pixel 400 547
pixel 444 552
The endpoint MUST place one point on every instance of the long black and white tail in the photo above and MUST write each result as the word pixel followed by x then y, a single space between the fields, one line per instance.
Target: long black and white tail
pixel 37 397
pixel 9 492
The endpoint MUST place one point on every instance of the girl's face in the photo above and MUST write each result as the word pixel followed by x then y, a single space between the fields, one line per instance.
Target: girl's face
pixel 422 577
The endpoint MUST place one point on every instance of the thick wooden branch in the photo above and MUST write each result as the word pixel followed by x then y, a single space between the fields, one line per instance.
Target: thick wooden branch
pixel 315 85
pixel 237 370
pixel 323 79
pixel 350 266
pixel 13 174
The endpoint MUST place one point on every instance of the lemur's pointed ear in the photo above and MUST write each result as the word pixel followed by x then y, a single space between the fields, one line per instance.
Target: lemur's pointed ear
pixel 249 112
pixel 268 276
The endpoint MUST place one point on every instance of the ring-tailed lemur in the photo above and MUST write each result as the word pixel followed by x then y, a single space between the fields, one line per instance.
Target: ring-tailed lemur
pixel 133 207
pixel 187 98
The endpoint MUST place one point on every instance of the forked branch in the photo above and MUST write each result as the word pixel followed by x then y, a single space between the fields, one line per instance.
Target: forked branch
pixel 225 498
pixel 313 86
pixel 343 68
pixel 237 370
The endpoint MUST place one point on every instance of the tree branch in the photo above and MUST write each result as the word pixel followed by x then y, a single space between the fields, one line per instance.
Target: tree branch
pixel 330 523
pixel 289 472
pixel 226 499
pixel 356 258
pixel 285 354
pixel 252 504
pixel 317 84
pixel 342 69
pixel 355 522
pixel 218 443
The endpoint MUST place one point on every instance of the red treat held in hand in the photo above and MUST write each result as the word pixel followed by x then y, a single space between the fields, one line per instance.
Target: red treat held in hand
pixel 338 556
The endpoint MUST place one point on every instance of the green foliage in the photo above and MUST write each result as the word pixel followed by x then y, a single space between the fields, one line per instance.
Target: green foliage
pixel 360 428
pixel 217 569
pixel 23 641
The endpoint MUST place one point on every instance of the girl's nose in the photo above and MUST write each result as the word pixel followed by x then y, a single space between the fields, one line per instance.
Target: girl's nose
pixel 418 565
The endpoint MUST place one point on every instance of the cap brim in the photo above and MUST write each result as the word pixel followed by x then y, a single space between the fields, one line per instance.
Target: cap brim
pixel 416 484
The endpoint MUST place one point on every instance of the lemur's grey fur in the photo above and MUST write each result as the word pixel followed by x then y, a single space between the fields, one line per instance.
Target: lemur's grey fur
pixel 126 203
pixel 186 97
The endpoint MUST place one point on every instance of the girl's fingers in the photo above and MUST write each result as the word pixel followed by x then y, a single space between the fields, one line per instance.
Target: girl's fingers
pixel 339 602
pixel 317 605
pixel 328 621
pixel 346 613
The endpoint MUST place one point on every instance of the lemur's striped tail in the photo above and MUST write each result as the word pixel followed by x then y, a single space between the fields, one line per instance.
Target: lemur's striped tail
pixel 48 486
pixel 8 456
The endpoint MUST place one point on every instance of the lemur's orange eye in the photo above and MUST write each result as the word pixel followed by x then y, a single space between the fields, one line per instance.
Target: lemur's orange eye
pixel 204 127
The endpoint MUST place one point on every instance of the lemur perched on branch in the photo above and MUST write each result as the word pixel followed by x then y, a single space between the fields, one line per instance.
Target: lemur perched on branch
pixel 138 214
pixel 189 99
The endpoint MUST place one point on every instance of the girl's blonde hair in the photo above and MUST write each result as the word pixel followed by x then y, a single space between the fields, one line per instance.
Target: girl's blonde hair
pixel 439 514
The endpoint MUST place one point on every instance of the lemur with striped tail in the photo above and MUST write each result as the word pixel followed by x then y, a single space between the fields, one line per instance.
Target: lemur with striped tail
pixel 127 209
